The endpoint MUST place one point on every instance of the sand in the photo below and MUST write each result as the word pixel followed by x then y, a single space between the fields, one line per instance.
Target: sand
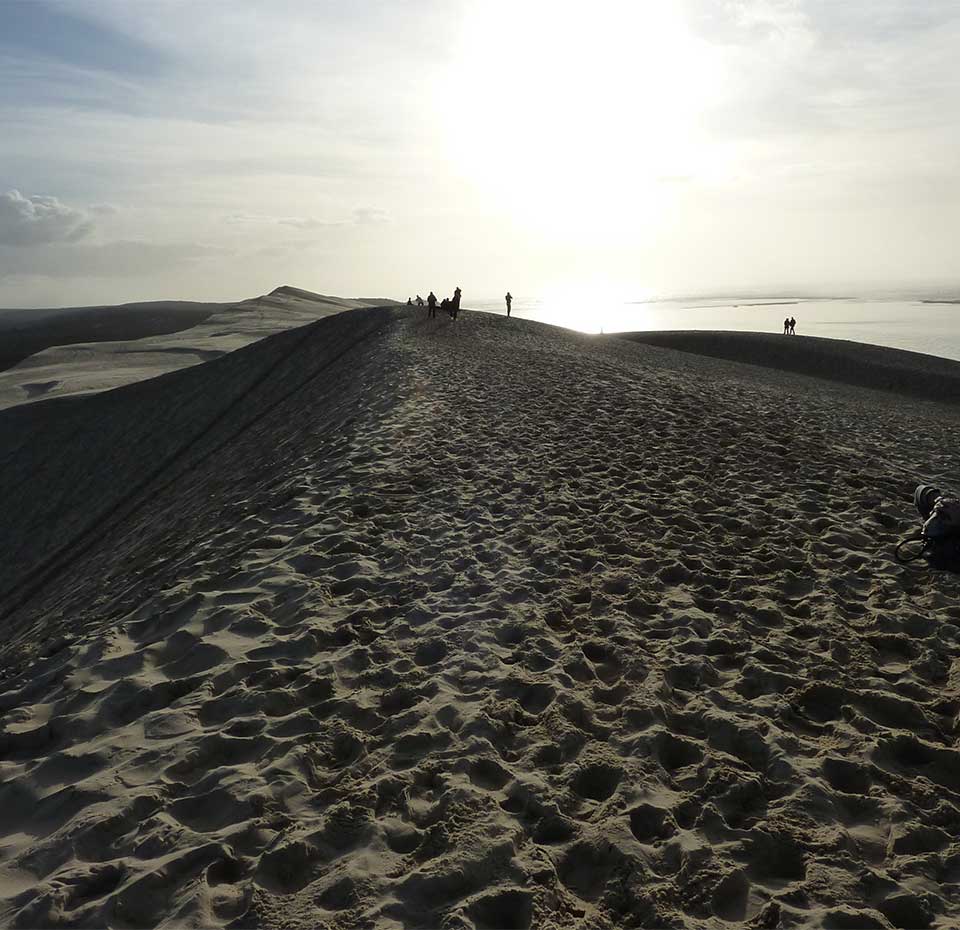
pixel 395 622
pixel 910 374
pixel 49 354
pixel 26 332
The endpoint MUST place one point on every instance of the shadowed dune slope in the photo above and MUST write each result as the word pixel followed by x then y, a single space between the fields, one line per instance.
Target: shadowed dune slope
pixel 91 349
pixel 397 623
pixel 26 332
pixel 907 373
pixel 82 460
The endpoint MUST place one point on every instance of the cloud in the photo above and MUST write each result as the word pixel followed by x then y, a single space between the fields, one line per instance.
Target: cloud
pixel 799 69
pixel 39 220
pixel 304 222
pixel 297 222
pixel 369 216
pixel 264 127
pixel 361 216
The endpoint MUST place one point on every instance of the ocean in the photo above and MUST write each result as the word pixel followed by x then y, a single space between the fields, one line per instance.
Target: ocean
pixel 916 325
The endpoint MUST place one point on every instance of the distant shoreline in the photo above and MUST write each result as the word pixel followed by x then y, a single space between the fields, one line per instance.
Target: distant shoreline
pixel 765 303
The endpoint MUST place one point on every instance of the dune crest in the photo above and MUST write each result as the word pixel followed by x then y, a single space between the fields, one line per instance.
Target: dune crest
pixel 134 342
pixel 397 622
pixel 910 374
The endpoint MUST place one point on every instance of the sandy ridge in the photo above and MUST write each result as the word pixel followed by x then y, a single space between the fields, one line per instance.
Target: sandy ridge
pixel 73 352
pixel 26 332
pixel 494 625
pixel 181 457
pixel 909 374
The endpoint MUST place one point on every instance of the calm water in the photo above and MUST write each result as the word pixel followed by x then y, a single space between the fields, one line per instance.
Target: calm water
pixel 902 324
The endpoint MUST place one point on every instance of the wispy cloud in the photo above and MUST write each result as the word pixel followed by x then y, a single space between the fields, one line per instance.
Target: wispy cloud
pixel 261 129
pixel 370 216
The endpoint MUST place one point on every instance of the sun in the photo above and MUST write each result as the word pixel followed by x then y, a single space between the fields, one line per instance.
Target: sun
pixel 577 116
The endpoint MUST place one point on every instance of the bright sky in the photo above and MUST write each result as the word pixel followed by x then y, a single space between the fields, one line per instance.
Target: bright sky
pixel 213 149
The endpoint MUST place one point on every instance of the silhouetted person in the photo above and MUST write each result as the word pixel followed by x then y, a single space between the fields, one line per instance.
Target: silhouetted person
pixel 793 327
pixel 445 306
pixel 431 304
pixel 409 301
pixel 786 326
pixel 509 300
pixel 419 301
pixel 455 304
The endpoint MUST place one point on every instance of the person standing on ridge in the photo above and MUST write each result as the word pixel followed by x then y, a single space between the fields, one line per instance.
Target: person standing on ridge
pixel 509 300
pixel 786 326
pixel 793 327
pixel 455 304
pixel 432 305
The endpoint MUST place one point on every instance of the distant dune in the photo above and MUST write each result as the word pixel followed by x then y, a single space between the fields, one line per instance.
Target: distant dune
pixel 25 332
pixel 89 349
pixel 392 622
pixel 910 374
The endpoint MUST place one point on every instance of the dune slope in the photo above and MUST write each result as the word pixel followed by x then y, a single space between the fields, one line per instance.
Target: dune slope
pixel 72 352
pixel 26 332
pixel 910 374
pixel 400 623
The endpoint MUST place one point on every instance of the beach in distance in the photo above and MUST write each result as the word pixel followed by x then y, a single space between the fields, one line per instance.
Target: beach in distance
pixel 365 618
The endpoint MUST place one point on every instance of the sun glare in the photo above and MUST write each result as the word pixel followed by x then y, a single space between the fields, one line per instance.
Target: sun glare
pixel 577 115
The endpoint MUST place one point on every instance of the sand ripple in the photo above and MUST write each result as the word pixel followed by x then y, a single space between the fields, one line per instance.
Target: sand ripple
pixel 491 625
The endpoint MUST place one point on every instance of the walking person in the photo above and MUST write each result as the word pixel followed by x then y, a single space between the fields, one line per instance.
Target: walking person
pixel 432 305
pixel 509 300
pixel 419 301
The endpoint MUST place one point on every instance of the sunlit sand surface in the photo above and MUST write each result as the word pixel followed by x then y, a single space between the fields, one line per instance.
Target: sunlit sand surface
pixel 395 622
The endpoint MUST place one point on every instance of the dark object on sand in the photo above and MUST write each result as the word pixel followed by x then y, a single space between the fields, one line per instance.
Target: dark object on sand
pixel 939 535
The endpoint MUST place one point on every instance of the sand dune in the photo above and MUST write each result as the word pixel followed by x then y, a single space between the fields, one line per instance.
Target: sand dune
pixel 908 373
pixel 89 349
pixel 26 332
pixel 401 623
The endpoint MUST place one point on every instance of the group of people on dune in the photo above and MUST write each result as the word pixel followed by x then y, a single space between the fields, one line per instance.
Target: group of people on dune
pixel 449 305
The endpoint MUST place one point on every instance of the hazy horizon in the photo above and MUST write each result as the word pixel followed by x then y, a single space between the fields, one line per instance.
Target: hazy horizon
pixel 169 150
pixel 949 293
